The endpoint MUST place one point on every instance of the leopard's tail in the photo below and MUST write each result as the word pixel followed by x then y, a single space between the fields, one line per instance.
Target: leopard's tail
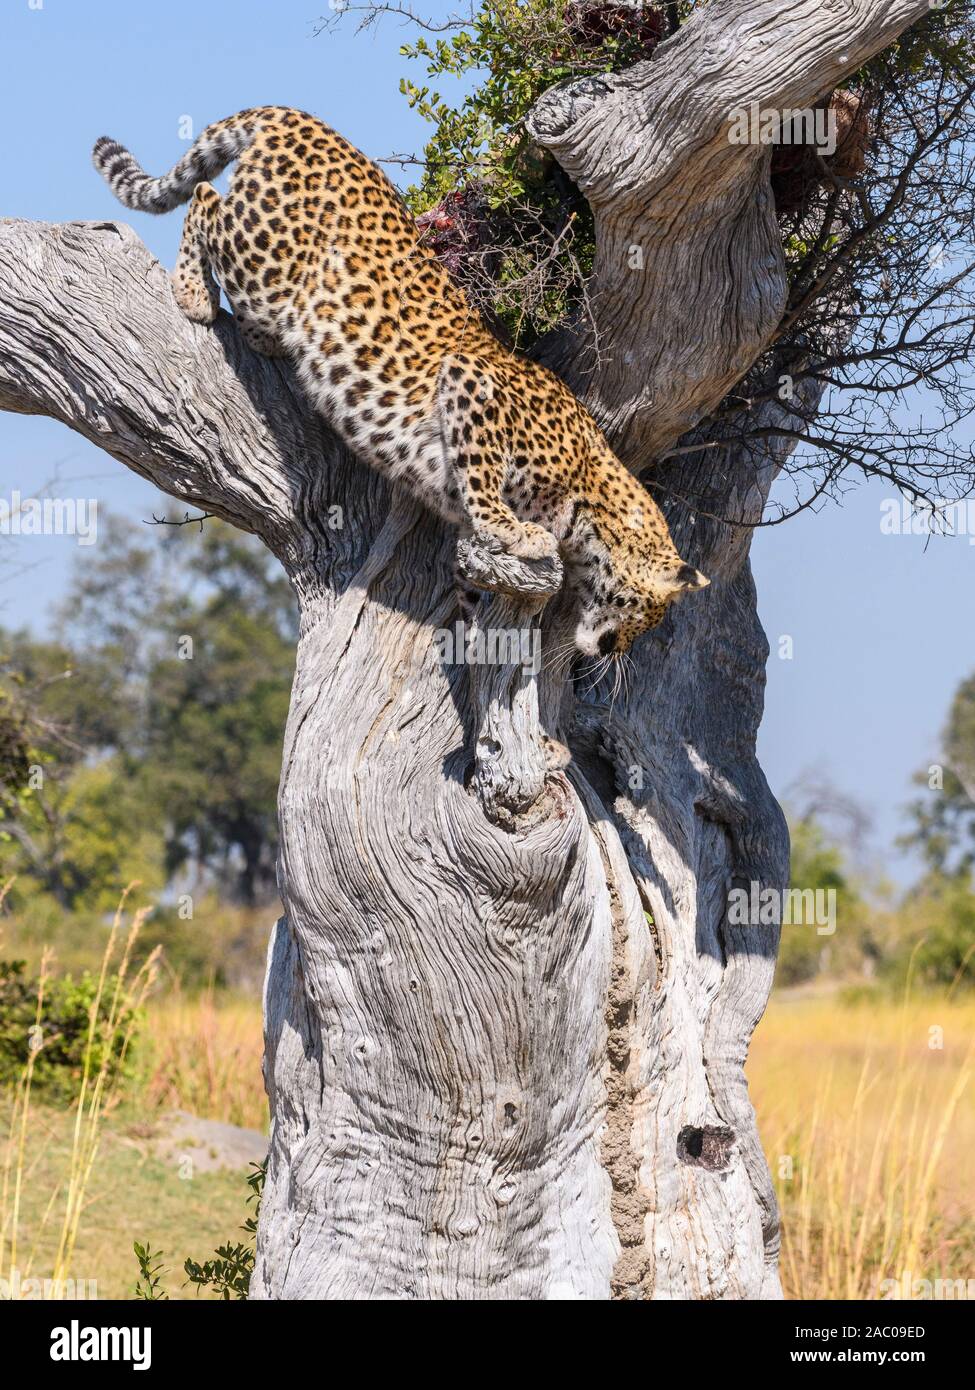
pixel 207 156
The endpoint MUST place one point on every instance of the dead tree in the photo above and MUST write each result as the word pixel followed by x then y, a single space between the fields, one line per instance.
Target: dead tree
pixel 506 1013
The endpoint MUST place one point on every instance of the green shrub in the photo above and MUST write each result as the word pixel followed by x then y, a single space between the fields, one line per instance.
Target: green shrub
pixel 58 1033
pixel 228 1273
pixel 937 948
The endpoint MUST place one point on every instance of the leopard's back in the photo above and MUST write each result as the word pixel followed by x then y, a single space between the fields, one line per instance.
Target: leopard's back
pixel 322 262
pixel 315 248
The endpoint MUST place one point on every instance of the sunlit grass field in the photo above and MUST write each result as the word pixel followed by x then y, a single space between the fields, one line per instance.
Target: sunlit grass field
pixel 82 1180
pixel 867 1113
pixel 130 1195
pixel 865 1105
pixel 203 1054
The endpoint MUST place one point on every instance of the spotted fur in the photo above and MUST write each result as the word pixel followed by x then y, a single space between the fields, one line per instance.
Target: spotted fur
pixel 322 263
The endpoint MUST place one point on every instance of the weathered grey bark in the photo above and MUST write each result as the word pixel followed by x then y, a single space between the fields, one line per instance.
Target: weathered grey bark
pixel 506 1014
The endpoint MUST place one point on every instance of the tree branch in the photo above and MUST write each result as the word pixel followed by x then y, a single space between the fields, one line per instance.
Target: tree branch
pixel 685 222
pixel 91 335
pixel 627 134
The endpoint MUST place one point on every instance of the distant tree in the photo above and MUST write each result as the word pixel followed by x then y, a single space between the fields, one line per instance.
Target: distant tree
pixel 937 937
pixel 156 719
pixel 942 822
pixel 821 864
pixel 15 753
pixel 936 943
pixel 74 822
pixel 217 703
pixel 959 738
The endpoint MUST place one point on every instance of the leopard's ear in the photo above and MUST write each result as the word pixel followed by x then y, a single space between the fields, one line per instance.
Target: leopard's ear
pixel 686 578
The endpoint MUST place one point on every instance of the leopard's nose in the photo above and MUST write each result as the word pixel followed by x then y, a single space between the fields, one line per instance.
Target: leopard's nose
pixel 607 643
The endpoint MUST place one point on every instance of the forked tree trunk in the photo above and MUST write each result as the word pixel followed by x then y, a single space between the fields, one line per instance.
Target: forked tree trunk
pixel 506 1013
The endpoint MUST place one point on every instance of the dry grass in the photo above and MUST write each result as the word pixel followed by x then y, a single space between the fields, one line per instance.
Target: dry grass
pixel 866 1112
pixel 865 1108
pixel 203 1054
pixel 868 1123
pixel 120 994
pixel 133 1194
pixel 76 1191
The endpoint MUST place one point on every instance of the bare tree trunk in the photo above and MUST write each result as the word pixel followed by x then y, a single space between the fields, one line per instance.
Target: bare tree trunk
pixel 506 1014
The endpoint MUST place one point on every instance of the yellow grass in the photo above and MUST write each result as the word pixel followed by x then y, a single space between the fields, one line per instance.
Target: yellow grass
pixel 75 1192
pixel 867 1117
pixel 866 1111
pixel 110 1024
pixel 203 1054
pixel 134 1193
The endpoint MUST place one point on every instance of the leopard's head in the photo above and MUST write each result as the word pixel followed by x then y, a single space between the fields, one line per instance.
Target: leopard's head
pixel 610 622
pixel 624 588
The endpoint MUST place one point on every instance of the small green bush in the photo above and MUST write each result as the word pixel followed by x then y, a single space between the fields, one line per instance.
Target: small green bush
pixel 58 1035
pixel 228 1273
pixel 938 946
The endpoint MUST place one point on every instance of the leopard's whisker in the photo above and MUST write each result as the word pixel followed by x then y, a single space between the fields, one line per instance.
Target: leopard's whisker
pixel 561 658
pixel 627 669
pixel 601 667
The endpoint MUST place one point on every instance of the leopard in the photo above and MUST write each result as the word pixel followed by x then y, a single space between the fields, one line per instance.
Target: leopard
pixel 322 263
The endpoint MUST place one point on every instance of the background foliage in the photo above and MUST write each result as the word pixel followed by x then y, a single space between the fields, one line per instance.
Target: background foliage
pixel 144 742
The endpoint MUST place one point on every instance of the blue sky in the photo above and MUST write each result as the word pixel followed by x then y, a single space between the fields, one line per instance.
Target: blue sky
pixel 881 625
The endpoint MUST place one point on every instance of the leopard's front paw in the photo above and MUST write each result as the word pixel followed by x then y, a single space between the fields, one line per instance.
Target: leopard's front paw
pixel 533 543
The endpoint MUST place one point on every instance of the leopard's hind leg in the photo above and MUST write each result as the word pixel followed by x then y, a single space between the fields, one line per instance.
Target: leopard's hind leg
pixel 258 338
pixel 196 291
